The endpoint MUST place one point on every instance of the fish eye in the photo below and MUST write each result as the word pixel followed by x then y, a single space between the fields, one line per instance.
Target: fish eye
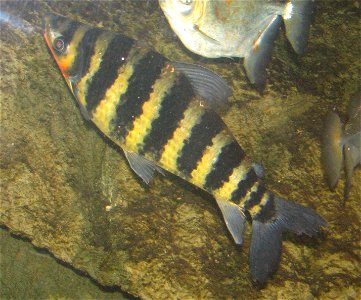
pixel 59 44
pixel 184 6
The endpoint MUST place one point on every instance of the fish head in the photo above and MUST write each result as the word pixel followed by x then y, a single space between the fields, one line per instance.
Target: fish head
pixel 194 23
pixel 61 38
pixel 182 13
pixel 177 7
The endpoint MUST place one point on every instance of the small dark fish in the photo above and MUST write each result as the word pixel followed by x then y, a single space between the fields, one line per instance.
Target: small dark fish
pixel 161 114
pixel 239 28
pixel 342 144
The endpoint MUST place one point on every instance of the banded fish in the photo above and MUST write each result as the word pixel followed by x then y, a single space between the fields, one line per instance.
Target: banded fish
pixel 162 114
pixel 342 144
pixel 234 28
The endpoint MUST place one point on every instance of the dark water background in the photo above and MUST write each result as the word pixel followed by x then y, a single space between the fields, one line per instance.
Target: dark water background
pixel 68 190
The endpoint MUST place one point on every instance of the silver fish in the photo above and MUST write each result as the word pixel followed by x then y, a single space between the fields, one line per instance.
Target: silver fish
pixel 342 144
pixel 234 28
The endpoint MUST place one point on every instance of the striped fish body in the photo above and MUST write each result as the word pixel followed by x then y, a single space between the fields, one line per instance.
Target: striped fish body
pixel 161 114
pixel 139 100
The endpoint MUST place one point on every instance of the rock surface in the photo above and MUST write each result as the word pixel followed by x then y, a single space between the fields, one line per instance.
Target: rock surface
pixel 30 273
pixel 69 190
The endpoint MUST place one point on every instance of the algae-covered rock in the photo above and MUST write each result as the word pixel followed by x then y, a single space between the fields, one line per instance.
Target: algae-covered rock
pixel 66 188
pixel 28 273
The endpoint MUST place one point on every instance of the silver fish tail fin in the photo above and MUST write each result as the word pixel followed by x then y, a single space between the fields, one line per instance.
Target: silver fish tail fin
pixel 332 154
pixel 297 18
pixel 257 59
pixel 267 228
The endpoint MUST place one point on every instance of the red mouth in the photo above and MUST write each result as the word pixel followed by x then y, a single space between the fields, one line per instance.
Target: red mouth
pixel 49 44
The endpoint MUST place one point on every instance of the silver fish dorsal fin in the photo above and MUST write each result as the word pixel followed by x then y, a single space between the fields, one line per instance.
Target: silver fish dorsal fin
pixel 144 168
pixel 206 84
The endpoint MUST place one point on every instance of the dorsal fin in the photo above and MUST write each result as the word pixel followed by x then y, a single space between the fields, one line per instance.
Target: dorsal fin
pixel 207 84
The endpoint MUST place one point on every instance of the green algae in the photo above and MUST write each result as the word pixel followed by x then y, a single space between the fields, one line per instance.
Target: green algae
pixel 67 189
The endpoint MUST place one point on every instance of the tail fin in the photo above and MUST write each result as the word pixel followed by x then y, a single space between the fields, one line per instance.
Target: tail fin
pixel 297 19
pixel 332 156
pixel 267 234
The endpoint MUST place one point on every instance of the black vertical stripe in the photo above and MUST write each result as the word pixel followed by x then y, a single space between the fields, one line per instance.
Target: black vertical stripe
pixel 84 53
pixel 244 185
pixel 114 57
pixel 267 211
pixel 69 32
pixel 171 112
pixel 255 197
pixel 201 137
pixel 146 71
pixel 230 157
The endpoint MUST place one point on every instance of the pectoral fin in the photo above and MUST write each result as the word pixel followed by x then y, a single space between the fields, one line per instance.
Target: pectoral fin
pixel 83 110
pixel 207 84
pixel 144 168
pixel 256 61
pixel 352 159
pixel 332 156
pixel 234 218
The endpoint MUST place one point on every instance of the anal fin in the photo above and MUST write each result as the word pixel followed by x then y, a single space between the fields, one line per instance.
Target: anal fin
pixel 234 219
pixel 144 168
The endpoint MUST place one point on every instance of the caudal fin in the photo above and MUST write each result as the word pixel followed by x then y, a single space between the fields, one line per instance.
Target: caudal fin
pixel 297 19
pixel 266 240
